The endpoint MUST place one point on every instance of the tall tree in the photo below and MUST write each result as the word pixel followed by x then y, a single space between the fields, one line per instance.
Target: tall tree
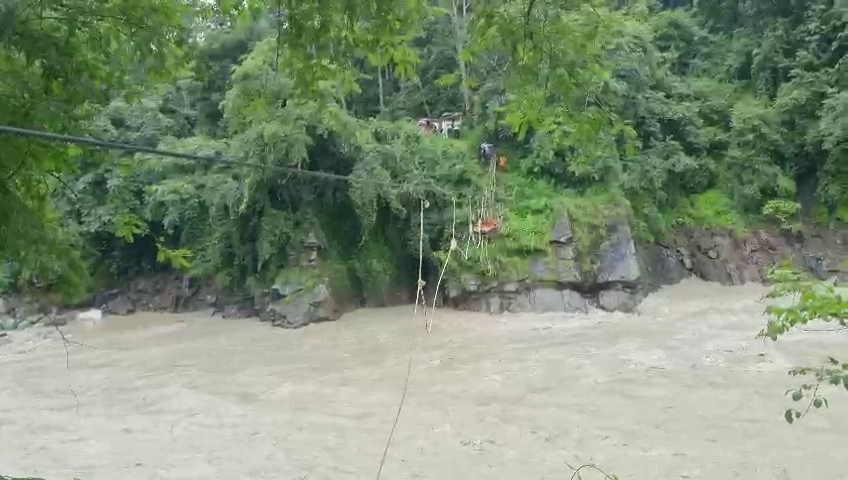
pixel 58 59
pixel 461 17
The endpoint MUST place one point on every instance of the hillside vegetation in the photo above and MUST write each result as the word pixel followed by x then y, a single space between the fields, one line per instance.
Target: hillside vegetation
pixel 715 114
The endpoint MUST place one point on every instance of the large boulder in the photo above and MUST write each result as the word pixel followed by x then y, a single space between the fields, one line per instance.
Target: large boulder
pixel 717 257
pixel 119 305
pixel 664 265
pixel 618 279
pixel 293 305
pixel 8 323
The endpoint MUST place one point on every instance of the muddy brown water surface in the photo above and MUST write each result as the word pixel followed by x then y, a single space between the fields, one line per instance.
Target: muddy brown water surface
pixel 680 390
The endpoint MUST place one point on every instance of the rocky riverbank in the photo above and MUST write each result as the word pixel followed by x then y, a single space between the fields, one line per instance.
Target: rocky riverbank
pixel 619 272
pixel 614 273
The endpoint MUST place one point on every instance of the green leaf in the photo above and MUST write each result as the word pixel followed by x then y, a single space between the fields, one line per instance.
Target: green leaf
pixel 74 151
pixel 127 226
pixel 788 416
pixel 797 395
pixel 817 403
pixel 448 80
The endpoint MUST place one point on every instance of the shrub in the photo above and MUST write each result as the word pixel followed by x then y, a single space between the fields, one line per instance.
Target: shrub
pixel 785 212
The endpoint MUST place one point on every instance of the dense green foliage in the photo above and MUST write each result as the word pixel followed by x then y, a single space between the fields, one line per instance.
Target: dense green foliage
pixel 58 60
pixel 712 114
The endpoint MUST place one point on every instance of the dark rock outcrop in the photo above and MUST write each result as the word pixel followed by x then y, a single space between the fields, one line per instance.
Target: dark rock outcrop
pixel 616 274
pixel 565 279
pixel 617 261
pixel 719 258
pixel 17 313
pixel 170 293
pixel 618 281
pixel 297 305
pixel 165 293
pixel 119 305
pixel 619 299
pixel 723 257
pixel 663 265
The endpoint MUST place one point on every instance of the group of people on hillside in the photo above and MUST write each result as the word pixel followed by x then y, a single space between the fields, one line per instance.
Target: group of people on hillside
pixel 448 125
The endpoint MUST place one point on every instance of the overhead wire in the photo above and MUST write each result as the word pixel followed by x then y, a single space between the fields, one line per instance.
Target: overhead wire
pixel 210 159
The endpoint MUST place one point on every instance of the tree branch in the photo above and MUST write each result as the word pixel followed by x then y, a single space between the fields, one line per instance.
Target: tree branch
pixel 64 184
pixel 23 160
pixel 15 171
pixel 812 399
pixel 91 16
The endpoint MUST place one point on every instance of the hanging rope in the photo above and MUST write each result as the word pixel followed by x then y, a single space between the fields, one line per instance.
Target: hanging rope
pixel 419 294
pixel 470 230
pixel 480 218
pixel 451 248
pixel 492 187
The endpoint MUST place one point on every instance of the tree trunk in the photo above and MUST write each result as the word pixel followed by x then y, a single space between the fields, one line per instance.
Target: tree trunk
pixel 380 84
pixel 459 16
pixel 423 96
pixel 463 73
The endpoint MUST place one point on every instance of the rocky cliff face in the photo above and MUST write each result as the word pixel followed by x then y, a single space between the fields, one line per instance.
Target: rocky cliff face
pixel 719 256
pixel 616 273
pixel 564 279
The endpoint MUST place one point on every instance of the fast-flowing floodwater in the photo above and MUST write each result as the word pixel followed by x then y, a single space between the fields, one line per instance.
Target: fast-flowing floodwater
pixel 681 390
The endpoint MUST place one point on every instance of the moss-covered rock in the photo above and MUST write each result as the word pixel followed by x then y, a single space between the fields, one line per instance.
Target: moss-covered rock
pixel 304 295
pixel 588 248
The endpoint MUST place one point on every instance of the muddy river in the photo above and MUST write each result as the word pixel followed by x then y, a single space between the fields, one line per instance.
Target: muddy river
pixel 681 390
